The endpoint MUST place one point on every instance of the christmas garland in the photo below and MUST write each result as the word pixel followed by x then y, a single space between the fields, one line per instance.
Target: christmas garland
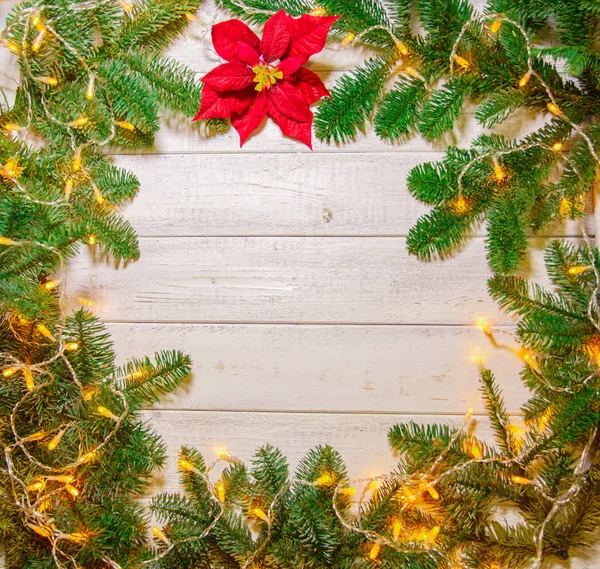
pixel 75 451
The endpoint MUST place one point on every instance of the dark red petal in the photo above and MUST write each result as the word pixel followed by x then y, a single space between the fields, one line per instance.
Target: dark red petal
pixel 309 34
pixel 252 118
pixel 247 54
pixel 221 105
pixel 301 131
pixel 290 65
pixel 226 35
pixel 289 101
pixel 229 77
pixel 276 36
pixel 310 85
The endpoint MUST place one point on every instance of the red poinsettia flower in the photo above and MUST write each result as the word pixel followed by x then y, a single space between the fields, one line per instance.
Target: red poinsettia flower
pixel 266 77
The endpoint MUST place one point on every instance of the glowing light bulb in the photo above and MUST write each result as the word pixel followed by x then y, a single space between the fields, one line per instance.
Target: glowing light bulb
pixel 56 440
pixel 77 161
pixel 402 48
pixel 520 480
pixel 529 359
pixel 160 534
pixel 348 39
pixel 348 491
pixel 396 529
pixel 460 205
pixel 107 413
pixel 475 452
pixel 187 466
pixel 433 492
pixel 485 326
pixel 12 127
pixel 37 42
pixel 126 125
pixel 324 480
pixel 469 414
pixel 525 79
pixel 432 534
pixel 68 188
pixel 553 108
pixel 51 285
pixel 191 17
pixel 514 429
pixel 88 457
pixel 412 72
pixel 44 504
pixel 78 123
pixel 7 372
pixel 223 454
pixel 62 478
pixel 100 199
pixel 37 486
pixel 85 301
pixel 45 332
pixel 258 513
pixel 499 174
pixel 40 530
pixel 220 491
pixel 52 81
pixel 374 552
pixel 318 11
pixel 29 381
pixel 91 88
pixel 72 490
pixel 7 241
pixel 91 239
pixel 125 5
pixel 557 146
pixel 464 63
pixel 72 346
pixel 36 20
pixel 496 25
pixel 40 435
pixel 578 269
pixel 78 536
pixel 12 47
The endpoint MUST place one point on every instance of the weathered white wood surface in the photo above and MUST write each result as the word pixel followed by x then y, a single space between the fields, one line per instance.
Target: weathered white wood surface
pixel 284 274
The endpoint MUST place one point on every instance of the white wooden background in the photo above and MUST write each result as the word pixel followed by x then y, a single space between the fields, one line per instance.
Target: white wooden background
pixel 284 274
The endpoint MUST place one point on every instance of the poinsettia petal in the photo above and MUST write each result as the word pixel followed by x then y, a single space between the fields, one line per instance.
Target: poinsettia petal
pixel 247 122
pixel 309 34
pixel 298 130
pixel 247 54
pixel 276 36
pixel 310 85
pixel 289 101
pixel 216 105
pixel 226 35
pixel 290 65
pixel 229 77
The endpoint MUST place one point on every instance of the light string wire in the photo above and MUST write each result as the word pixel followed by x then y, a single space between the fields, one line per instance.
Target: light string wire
pixel 56 535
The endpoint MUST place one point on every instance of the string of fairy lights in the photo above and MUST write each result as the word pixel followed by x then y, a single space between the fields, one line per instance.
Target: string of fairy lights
pixel 34 497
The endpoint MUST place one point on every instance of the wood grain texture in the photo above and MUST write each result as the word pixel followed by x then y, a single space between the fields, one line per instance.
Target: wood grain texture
pixel 402 369
pixel 293 280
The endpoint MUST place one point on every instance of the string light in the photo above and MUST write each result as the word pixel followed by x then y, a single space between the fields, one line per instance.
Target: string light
pixel 544 420
pixel 432 534
pixel 258 513
pixel 85 301
pixel 56 440
pixel 557 146
pixel 9 371
pixel 469 414
pixel 45 332
pixel 126 125
pixel 78 123
pixel 324 480
pixel 160 534
pixel 100 199
pixel 125 5
pixel 191 17
pixel 68 188
pixel 496 25
pixel 521 481
pixel 11 169
pixel 461 205
pixel 485 326
pixel 220 491
pixel 51 285
pixel 91 87
pixel 499 174
pixel 318 11
pixel 525 79
pixel 12 127
pixel 374 552
pixel 187 466
pixel 396 529
pixel 36 20
pixel 37 42
pixel 12 47
pixel 348 39
pixel 464 63
pixel 402 47
pixel 348 491
pixel 107 413
pixel 77 160
pixel 71 346
pixel 39 436
pixel 37 486
pixel 577 270
pixel 88 457
pixel 29 381
pixel 72 490
pixel 553 108
pixel 52 81
pixel 91 239
pixel 528 358
pixel 475 452
pixel 413 72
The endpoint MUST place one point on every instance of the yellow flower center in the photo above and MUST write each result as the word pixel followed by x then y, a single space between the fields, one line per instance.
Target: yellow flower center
pixel 265 76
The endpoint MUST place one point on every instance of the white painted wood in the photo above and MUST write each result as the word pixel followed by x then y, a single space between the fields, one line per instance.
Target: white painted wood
pixel 284 194
pixel 401 369
pixel 293 280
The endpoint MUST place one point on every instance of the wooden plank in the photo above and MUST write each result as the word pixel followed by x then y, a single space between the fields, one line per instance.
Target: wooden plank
pixel 293 280
pixel 282 194
pixel 401 369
